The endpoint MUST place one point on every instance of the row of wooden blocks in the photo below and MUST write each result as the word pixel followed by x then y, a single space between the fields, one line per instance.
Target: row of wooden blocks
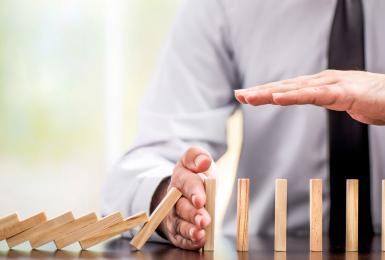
pixel 315 213
pixel 88 230
pixel 65 230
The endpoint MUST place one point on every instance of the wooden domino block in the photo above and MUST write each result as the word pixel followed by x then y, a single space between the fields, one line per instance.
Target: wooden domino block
pixel 316 255
pixel 89 230
pixel 243 215
pixel 114 230
pixel 210 187
pixel 6 223
pixel 316 215
pixel 64 229
pixel 383 217
pixel 46 229
pixel 280 215
pixel 21 226
pixel 156 217
pixel 351 215
pixel 35 231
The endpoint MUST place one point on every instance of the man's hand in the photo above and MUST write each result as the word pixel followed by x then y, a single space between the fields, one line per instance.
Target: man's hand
pixel 359 93
pixel 185 225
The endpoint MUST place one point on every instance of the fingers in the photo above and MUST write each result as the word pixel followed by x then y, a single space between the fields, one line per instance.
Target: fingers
pixel 184 243
pixel 329 96
pixel 184 234
pixel 261 95
pixel 190 184
pixel 264 96
pixel 186 211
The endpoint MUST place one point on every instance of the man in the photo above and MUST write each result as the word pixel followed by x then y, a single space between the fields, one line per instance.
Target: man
pixel 218 46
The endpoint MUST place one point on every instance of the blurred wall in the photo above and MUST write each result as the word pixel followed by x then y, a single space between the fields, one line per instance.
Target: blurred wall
pixel 71 77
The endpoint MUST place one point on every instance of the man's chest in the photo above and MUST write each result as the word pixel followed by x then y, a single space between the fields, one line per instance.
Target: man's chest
pixel 274 40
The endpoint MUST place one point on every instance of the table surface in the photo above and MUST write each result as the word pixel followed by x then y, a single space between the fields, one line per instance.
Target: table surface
pixel 259 248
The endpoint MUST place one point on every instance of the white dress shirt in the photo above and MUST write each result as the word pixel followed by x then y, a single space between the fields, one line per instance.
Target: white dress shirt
pixel 217 46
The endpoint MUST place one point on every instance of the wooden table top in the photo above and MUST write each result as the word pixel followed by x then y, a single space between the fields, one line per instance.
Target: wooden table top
pixel 259 248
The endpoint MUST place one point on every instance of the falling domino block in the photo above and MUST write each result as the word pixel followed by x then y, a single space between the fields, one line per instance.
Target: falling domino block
pixel 39 229
pixel 94 228
pixel 352 215
pixel 383 217
pixel 63 229
pixel 243 215
pixel 21 226
pixel 316 215
pixel 6 223
pixel 156 217
pixel 114 230
pixel 280 215
pixel 210 187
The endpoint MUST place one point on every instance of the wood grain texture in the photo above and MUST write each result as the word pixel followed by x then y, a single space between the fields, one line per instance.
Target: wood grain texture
pixel 156 218
pixel 210 187
pixel 94 228
pixel 114 230
pixel 40 229
pixel 280 216
pixel 243 214
pixel 43 230
pixel 63 229
pixel 351 215
pixel 383 216
pixel 316 255
pixel 6 223
pixel 315 214
pixel 24 225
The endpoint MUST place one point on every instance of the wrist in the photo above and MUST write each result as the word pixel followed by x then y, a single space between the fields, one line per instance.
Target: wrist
pixel 157 197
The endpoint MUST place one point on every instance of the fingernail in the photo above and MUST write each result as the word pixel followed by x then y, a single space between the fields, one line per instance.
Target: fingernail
pixel 198 219
pixel 201 234
pixel 191 233
pixel 194 200
pixel 200 159
pixel 239 90
pixel 246 98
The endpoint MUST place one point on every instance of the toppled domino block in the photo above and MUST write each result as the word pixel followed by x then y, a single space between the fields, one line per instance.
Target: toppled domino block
pixel 156 217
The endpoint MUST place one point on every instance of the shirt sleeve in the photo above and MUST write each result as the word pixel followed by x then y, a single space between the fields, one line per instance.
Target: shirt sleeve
pixel 187 103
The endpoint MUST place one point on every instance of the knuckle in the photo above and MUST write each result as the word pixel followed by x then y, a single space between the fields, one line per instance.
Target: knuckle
pixel 177 225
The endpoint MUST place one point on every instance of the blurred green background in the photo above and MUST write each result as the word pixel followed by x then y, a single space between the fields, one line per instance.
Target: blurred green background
pixel 71 77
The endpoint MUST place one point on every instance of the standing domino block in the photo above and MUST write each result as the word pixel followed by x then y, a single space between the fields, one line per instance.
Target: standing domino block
pixel 316 215
pixel 383 217
pixel 114 230
pixel 243 215
pixel 40 229
pixel 352 215
pixel 280 215
pixel 156 217
pixel 210 187
pixel 6 223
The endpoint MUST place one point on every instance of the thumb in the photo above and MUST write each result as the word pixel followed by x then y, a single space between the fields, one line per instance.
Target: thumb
pixel 197 160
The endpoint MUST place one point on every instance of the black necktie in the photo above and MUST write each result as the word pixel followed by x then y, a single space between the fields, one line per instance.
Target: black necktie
pixel 348 139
